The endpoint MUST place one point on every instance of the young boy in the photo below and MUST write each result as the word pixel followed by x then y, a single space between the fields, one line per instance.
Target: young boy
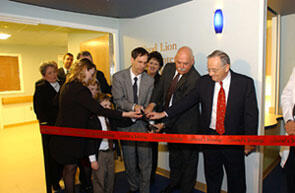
pixel 102 163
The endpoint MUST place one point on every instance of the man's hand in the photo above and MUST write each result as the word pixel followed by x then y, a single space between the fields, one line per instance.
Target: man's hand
pixel 290 127
pixel 149 108
pixel 132 114
pixel 138 108
pixel 249 149
pixel 155 115
pixel 159 127
pixel 94 165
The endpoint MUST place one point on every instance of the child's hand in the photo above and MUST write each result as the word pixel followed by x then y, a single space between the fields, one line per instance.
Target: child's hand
pixel 94 165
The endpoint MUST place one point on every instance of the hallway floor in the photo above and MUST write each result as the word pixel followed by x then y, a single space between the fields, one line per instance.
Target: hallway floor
pixel 21 160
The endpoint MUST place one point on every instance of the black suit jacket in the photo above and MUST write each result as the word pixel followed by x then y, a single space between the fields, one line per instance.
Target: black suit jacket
pixel 104 86
pixel 241 116
pixel 187 122
pixel 76 105
pixel 44 102
pixel 61 75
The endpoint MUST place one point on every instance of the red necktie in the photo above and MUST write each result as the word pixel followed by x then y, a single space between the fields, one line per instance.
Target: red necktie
pixel 221 107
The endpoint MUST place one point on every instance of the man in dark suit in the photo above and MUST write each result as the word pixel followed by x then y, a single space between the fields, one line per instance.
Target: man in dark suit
pixel 46 110
pixel 104 86
pixel 63 71
pixel 228 107
pixel 178 80
pixel 132 89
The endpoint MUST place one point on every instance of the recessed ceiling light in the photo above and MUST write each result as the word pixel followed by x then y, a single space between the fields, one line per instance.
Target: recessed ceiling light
pixel 4 36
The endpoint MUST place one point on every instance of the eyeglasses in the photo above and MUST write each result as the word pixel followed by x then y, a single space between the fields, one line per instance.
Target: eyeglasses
pixel 215 70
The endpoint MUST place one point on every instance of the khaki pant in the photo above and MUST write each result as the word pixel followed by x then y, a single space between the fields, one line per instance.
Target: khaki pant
pixel 104 177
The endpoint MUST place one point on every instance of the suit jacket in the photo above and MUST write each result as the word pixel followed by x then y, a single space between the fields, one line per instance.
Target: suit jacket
pixel 75 107
pixel 61 75
pixel 104 86
pixel 186 123
pixel 45 106
pixel 122 91
pixel 241 117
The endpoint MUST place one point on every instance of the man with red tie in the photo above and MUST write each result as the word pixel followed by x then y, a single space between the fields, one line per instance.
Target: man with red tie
pixel 228 107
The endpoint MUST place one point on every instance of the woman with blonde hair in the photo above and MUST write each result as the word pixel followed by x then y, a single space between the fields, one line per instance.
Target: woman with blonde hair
pixel 76 104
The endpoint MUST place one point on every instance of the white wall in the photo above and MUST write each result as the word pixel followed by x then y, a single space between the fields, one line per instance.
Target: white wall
pixel 76 38
pixel 191 24
pixel 31 57
pixel 287 49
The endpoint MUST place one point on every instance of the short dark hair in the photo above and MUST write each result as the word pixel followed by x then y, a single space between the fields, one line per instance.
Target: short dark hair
pixel 224 58
pixel 83 53
pixel 103 97
pixel 157 56
pixel 68 54
pixel 139 51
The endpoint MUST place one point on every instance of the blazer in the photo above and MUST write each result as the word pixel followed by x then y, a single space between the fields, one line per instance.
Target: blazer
pixel 241 117
pixel 61 75
pixel 104 86
pixel 44 102
pixel 75 107
pixel 122 92
pixel 186 123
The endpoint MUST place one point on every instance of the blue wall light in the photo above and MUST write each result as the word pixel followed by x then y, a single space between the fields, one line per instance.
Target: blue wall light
pixel 218 21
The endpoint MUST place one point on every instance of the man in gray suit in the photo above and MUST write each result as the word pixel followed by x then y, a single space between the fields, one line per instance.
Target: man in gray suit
pixel 178 80
pixel 132 89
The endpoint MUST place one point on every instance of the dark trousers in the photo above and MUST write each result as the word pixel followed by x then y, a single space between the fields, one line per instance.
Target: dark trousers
pixel 289 170
pixel 183 163
pixel 53 170
pixel 154 160
pixel 233 160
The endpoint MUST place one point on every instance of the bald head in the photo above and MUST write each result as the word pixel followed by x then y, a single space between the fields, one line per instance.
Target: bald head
pixel 184 60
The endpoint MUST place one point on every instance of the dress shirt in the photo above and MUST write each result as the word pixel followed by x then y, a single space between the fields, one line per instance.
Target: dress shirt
pixel 55 85
pixel 287 103
pixel 66 70
pixel 104 145
pixel 225 85
pixel 180 75
pixel 288 98
pixel 138 80
pixel 132 75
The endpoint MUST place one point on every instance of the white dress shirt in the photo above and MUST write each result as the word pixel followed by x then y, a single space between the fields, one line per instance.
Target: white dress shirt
pixel 180 75
pixel 55 85
pixel 104 145
pixel 287 103
pixel 225 85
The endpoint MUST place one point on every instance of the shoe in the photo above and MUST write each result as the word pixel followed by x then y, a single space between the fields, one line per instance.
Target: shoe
pixel 168 189
pixel 56 188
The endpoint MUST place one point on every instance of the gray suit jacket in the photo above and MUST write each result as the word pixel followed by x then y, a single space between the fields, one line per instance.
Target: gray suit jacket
pixel 122 90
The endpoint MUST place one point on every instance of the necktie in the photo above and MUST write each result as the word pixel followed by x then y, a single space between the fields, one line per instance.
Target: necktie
pixel 109 129
pixel 135 91
pixel 221 107
pixel 171 90
pixel 67 72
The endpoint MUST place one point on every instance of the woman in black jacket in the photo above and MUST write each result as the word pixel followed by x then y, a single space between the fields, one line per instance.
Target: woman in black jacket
pixel 75 107
pixel 46 110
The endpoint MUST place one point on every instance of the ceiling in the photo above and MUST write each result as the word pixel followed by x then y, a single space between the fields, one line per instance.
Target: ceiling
pixel 282 7
pixel 24 34
pixel 108 8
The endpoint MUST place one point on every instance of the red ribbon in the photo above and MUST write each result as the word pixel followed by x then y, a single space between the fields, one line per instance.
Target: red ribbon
pixel 272 140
